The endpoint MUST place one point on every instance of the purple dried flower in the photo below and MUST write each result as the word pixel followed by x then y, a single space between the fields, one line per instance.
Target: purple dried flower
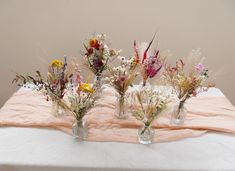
pixel 97 63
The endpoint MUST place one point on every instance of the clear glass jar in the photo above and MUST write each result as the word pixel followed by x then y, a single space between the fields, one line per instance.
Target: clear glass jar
pixel 146 135
pixel 80 129
pixel 98 80
pixel 121 107
pixel 97 83
pixel 57 109
pixel 179 113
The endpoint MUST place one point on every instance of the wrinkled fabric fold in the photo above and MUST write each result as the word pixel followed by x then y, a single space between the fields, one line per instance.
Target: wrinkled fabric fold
pixel 28 108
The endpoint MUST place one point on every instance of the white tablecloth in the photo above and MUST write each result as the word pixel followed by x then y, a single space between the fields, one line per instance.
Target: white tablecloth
pixel 24 149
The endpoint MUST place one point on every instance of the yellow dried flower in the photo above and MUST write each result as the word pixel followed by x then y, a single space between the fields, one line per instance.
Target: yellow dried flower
pixel 86 87
pixel 57 64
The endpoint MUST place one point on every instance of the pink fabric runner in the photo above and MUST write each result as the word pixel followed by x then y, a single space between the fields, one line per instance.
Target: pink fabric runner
pixel 28 108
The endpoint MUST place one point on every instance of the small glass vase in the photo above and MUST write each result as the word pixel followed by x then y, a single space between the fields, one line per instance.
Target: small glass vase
pixel 57 109
pixel 97 85
pixel 179 113
pixel 121 107
pixel 80 129
pixel 97 81
pixel 146 135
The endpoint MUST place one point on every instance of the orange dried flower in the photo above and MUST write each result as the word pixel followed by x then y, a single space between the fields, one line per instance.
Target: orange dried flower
pixel 93 42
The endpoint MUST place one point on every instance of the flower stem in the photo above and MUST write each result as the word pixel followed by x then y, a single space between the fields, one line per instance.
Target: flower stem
pixel 181 105
pixel 144 82
pixel 146 125
pixel 121 104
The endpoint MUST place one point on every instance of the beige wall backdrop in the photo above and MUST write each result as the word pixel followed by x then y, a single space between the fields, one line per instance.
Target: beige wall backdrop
pixel 32 32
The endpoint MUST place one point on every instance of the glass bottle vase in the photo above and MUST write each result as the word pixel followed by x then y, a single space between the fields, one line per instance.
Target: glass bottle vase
pixel 121 107
pixel 97 85
pixel 146 135
pixel 80 129
pixel 179 113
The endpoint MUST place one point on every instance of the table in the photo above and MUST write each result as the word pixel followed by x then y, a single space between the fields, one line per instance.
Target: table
pixel 24 149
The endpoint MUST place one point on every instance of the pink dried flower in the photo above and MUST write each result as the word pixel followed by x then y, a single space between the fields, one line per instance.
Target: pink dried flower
pixel 151 63
pixel 200 67
pixel 152 71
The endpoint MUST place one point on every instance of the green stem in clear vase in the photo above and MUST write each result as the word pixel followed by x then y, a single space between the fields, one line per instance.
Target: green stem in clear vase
pixel 79 129
pixel 121 103
pixel 179 112
pixel 97 82
pixel 97 85
pixel 148 123
pixel 146 134
pixel 121 107
pixel 145 127
pixel 181 105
